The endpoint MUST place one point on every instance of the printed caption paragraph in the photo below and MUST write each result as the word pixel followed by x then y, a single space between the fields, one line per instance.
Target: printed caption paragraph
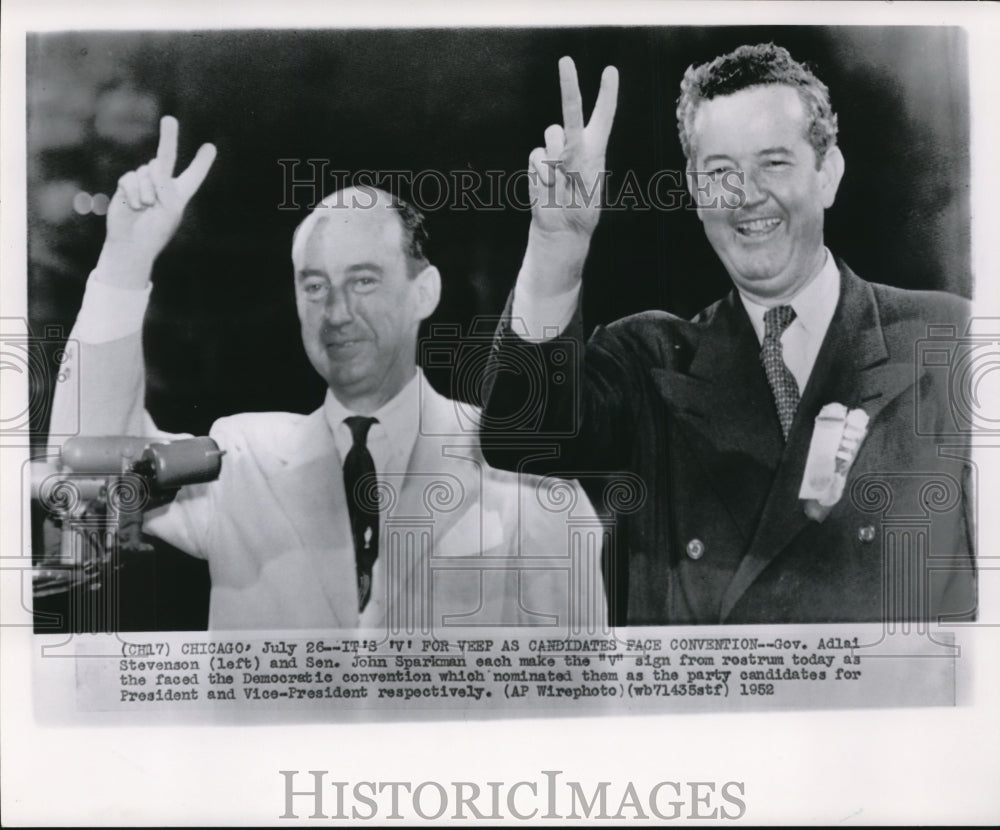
pixel 641 671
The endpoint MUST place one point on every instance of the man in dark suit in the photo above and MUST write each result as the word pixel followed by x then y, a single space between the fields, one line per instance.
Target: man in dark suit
pixel 713 419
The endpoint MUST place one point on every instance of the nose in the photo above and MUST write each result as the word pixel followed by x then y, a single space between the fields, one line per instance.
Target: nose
pixel 753 193
pixel 338 310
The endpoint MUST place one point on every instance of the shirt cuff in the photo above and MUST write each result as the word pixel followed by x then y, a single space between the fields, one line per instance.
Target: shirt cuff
pixel 541 318
pixel 109 312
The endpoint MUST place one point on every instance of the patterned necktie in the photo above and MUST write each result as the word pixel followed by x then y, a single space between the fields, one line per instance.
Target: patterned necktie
pixel 782 382
pixel 362 503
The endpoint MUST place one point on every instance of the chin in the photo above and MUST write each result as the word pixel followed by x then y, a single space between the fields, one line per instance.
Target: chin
pixel 346 381
pixel 759 269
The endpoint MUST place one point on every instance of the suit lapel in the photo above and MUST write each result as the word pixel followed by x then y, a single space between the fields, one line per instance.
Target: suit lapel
pixel 853 367
pixel 308 485
pixel 726 411
pixel 441 483
pixel 443 478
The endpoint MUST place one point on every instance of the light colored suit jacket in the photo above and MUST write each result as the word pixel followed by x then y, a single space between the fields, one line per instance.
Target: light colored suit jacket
pixel 462 544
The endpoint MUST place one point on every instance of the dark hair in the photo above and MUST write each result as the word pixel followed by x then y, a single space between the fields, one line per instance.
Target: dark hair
pixel 415 234
pixel 750 66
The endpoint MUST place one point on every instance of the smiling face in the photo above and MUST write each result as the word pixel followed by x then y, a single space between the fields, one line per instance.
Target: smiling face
pixel 359 308
pixel 771 244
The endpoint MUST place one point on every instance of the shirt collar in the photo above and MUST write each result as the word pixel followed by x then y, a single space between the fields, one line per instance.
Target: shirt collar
pixel 814 305
pixel 398 418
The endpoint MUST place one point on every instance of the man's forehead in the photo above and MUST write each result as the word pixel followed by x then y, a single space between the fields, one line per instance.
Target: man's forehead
pixel 748 117
pixel 373 232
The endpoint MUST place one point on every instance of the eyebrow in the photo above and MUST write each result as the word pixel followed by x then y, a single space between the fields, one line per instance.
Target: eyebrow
pixel 360 267
pixel 365 266
pixel 716 157
pixel 767 151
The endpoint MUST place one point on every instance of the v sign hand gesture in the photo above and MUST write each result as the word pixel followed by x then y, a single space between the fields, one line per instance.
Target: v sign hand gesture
pixel 147 207
pixel 566 185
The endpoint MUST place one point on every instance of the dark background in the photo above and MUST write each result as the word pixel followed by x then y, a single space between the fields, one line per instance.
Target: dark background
pixel 221 333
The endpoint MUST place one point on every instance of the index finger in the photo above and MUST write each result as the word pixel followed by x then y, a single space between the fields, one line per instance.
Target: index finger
pixel 603 115
pixel 166 151
pixel 572 105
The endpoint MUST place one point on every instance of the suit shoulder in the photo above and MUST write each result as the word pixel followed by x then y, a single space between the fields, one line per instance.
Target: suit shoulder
pixel 644 322
pixel 654 334
pixel 549 501
pixel 902 305
pixel 256 429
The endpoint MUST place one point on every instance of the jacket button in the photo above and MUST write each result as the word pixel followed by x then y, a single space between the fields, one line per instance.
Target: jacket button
pixel 866 534
pixel 696 548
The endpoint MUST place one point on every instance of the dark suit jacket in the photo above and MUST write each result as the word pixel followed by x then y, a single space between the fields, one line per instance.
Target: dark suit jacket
pixel 712 529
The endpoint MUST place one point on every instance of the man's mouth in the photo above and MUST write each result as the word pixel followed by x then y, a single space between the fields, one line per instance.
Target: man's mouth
pixel 343 345
pixel 757 227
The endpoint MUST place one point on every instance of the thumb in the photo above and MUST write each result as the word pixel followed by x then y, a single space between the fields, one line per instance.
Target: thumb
pixel 190 180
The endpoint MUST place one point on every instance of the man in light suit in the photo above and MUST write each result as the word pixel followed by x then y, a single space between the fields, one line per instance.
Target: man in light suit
pixel 293 532
pixel 716 415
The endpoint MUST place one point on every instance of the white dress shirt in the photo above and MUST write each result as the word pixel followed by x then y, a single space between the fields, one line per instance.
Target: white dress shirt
pixel 536 319
pixel 814 306
pixel 391 440
pixel 109 312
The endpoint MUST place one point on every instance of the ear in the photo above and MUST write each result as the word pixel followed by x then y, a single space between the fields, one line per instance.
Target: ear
pixel 831 171
pixel 428 290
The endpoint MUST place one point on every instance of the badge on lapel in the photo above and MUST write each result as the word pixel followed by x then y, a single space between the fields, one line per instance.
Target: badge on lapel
pixel 837 436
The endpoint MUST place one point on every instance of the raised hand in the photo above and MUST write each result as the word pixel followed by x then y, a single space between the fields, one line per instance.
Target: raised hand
pixel 149 201
pixel 567 185
pixel 566 188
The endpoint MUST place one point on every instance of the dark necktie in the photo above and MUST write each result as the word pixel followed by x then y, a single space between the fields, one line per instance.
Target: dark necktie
pixel 362 503
pixel 782 382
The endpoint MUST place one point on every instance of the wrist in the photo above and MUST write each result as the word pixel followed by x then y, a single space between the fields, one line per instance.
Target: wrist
pixel 553 261
pixel 124 265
